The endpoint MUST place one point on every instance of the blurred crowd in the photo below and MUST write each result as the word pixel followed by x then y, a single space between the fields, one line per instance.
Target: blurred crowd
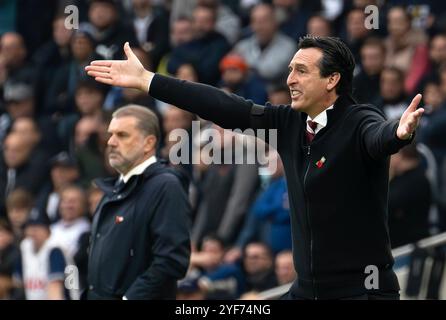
pixel 54 118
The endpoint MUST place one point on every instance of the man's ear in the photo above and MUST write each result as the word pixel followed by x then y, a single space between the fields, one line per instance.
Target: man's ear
pixel 333 80
pixel 149 143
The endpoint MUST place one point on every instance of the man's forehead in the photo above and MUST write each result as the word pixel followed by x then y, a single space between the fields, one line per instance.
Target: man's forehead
pixel 307 56
pixel 122 123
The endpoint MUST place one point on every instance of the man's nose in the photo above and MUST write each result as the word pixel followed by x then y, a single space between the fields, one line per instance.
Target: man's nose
pixel 111 141
pixel 291 79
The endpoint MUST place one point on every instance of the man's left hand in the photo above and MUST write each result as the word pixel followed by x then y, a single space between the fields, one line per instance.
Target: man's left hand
pixel 410 119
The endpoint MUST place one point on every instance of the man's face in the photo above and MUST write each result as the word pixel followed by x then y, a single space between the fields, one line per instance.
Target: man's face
pixel 72 204
pixel 308 89
pixel 391 85
pixel 397 23
pixel 18 216
pixel 61 35
pixel 372 58
pixel 81 47
pixel 102 15
pixel 88 100
pixel 16 151
pixel 12 50
pixel 256 259
pixel 127 144
pixel 182 32
pixel 438 49
pixel 62 175
pixel 203 21
pixel 263 23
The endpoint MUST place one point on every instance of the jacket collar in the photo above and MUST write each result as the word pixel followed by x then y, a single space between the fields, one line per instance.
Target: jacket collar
pixel 109 187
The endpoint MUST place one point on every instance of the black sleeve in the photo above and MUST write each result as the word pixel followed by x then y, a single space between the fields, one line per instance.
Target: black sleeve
pixel 378 136
pixel 170 245
pixel 227 110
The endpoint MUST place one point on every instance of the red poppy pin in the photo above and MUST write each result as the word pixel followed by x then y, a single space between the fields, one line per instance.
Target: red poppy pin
pixel 321 162
pixel 119 219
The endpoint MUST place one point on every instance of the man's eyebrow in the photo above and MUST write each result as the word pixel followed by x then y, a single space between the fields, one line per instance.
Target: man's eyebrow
pixel 297 65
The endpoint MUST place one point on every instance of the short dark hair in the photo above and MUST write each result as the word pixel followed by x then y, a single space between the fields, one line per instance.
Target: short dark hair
pixel 147 121
pixel 336 57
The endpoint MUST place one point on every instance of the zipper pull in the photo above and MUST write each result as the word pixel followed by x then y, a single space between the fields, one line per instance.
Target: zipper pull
pixel 309 149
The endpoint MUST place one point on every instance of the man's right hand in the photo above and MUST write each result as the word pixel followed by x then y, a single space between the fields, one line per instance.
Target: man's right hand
pixel 128 73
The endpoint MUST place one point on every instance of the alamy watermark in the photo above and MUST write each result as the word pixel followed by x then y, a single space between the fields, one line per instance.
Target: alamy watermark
pixel 372 19
pixel 72 20
pixel 223 146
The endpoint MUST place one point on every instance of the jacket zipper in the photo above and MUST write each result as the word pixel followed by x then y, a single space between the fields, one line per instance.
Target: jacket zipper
pixel 309 223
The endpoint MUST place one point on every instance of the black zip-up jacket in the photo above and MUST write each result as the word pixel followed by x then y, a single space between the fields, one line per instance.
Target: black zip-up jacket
pixel 140 242
pixel 339 208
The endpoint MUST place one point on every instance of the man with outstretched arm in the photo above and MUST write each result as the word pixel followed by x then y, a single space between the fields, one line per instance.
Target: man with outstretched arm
pixel 336 158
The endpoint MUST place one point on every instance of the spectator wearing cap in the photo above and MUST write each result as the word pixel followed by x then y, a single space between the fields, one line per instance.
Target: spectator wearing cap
pixel 237 79
pixel 108 29
pixel 8 256
pixel 22 166
pixel 267 51
pixel 41 264
pixel 64 171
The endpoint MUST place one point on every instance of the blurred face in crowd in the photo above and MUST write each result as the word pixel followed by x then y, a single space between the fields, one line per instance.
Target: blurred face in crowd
pixel 310 92
pixel 38 234
pixel 372 58
pixel 89 100
pixel 18 216
pixel 72 204
pixel 187 72
pixel 263 23
pixel 233 76
pixel 391 84
pixel 12 49
pixel 128 146
pixel 398 23
pixel 215 249
pixel 355 24
pixel 257 259
pixel 85 127
pixel 438 49
pixel 63 175
pixel 16 151
pixel 204 21
pixel 27 128
pixel 102 15
pixel 61 35
pixel 81 47
pixel 284 268
pixel 181 32
pixel 176 118
pixel 279 97
pixel 432 96
pixel 20 108
pixel 318 26
pixel 94 196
